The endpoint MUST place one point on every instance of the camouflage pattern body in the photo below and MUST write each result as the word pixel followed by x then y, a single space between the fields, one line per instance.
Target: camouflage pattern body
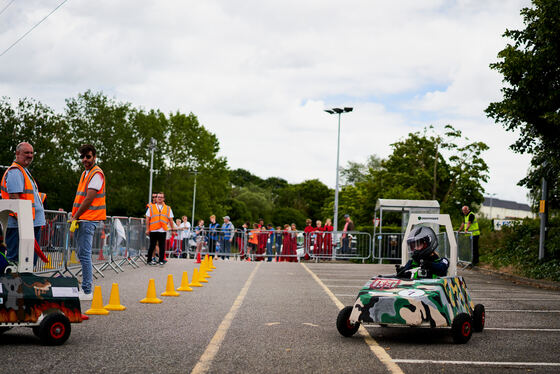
pixel 421 302
pixel 24 297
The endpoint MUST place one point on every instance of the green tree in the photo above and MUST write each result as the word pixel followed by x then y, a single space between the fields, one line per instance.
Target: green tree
pixel 33 122
pixel 307 197
pixel 286 215
pixel 423 166
pixel 531 94
pixel 122 135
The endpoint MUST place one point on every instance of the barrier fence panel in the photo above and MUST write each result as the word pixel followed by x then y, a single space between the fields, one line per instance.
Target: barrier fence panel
pixel 388 246
pixel 137 240
pixel 464 247
pixel 52 243
pixel 119 244
pixel 352 245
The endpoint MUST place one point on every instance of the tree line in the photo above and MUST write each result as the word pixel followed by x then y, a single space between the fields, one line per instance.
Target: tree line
pixel 425 165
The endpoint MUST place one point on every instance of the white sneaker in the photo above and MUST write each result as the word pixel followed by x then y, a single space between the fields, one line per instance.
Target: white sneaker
pixel 85 296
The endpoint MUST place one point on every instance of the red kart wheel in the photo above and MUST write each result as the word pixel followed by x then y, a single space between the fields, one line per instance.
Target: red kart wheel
pixel 54 329
pixel 461 329
pixel 57 330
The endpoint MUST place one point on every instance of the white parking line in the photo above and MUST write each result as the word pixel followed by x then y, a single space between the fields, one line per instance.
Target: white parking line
pixel 522 311
pixel 516 299
pixel 480 363
pixel 514 291
pixel 520 329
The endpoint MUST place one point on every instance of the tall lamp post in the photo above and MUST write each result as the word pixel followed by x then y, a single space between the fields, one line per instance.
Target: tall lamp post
pixel 152 148
pixel 338 111
pixel 491 203
pixel 193 199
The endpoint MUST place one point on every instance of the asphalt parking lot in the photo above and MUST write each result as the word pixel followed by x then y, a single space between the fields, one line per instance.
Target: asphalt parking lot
pixel 280 318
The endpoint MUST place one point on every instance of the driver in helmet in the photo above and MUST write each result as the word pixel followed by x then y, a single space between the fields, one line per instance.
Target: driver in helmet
pixel 422 243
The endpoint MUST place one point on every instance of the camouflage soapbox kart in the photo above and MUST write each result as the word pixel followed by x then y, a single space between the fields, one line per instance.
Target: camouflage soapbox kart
pixel 417 302
pixel 46 304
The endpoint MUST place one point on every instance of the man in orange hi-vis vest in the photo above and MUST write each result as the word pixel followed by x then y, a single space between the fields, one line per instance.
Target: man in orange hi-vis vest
pixel 17 183
pixel 88 208
pixel 159 219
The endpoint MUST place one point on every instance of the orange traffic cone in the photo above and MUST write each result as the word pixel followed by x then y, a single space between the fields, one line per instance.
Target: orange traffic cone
pixel 206 262
pixel 184 283
pixel 115 299
pixel 204 270
pixel 202 275
pixel 151 297
pixel 197 258
pixel 100 257
pixel 212 263
pixel 97 303
pixel 170 287
pixel 194 281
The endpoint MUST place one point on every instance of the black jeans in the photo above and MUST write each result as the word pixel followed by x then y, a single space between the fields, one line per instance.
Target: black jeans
pixel 475 249
pixel 157 237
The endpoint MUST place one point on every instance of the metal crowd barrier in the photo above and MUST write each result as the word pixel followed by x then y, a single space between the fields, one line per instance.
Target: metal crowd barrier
pixel 138 242
pixel 53 237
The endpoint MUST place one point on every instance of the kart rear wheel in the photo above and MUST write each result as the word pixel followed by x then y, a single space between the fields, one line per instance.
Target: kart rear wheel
pixel 479 318
pixel 54 329
pixel 345 328
pixel 462 328
pixel 37 331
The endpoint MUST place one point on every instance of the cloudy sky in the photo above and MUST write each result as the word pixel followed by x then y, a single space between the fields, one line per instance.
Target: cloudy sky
pixel 260 73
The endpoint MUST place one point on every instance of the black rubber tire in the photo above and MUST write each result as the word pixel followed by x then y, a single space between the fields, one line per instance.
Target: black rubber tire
pixel 479 318
pixel 3 329
pixel 462 328
pixel 54 329
pixel 345 328
pixel 36 331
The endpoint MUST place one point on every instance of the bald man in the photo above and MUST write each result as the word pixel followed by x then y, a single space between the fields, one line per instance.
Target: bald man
pixel 17 183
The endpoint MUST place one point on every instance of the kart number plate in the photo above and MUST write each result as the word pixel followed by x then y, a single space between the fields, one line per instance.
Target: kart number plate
pixel 65 292
pixel 383 284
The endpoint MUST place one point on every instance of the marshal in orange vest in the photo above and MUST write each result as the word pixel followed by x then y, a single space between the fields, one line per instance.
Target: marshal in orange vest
pixel 97 208
pixel 159 219
pixel 27 193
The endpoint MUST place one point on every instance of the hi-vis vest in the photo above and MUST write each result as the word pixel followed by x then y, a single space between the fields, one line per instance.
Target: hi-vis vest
pixel 159 219
pixel 97 208
pixel 474 225
pixel 27 193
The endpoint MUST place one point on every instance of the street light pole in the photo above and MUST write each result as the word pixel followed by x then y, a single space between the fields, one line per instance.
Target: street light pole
pixel 152 147
pixel 338 111
pixel 491 203
pixel 193 199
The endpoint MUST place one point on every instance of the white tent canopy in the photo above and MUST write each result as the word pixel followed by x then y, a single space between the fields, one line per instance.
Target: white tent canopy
pixel 406 207
pixel 398 205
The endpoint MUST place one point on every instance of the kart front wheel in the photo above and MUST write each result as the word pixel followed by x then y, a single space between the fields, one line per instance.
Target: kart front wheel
pixel 462 327
pixel 54 329
pixel 479 317
pixel 345 328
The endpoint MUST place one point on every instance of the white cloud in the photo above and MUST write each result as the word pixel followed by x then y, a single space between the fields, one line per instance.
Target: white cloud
pixel 259 74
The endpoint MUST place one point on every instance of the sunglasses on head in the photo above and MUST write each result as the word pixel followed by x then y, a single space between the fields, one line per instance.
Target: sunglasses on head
pixel 86 157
